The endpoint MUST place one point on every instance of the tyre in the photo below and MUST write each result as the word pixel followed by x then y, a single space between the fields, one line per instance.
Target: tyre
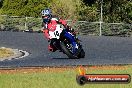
pixel 82 54
pixel 66 51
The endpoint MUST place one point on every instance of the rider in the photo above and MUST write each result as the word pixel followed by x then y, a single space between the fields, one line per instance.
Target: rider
pixel 49 24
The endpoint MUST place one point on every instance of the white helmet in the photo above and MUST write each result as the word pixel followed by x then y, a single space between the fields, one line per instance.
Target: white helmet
pixel 46 12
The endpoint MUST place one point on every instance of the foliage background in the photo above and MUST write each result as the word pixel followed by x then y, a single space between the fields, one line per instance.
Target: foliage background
pixel 88 10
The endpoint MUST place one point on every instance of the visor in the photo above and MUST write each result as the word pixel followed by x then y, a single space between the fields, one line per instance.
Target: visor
pixel 44 16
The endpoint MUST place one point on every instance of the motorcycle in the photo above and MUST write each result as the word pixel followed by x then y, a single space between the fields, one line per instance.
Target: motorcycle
pixel 66 42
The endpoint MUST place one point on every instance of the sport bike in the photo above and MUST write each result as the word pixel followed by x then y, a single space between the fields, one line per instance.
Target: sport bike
pixel 66 42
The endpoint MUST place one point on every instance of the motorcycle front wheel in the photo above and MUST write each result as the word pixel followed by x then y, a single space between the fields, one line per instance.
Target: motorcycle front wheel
pixel 67 51
pixel 81 54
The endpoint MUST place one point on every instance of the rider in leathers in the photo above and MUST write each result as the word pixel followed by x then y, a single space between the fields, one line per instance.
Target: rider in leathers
pixel 49 24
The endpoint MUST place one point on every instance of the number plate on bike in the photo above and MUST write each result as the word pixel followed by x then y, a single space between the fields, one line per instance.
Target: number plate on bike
pixel 56 33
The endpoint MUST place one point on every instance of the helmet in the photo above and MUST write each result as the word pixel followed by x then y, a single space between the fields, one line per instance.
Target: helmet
pixel 46 15
pixel 46 12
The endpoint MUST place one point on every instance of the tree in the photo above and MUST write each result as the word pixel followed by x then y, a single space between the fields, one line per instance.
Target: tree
pixel 117 10
pixel 1 3
pixel 89 13
pixel 89 10
pixel 12 7
pixel 24 7
pixel 33 7
pixel 66 9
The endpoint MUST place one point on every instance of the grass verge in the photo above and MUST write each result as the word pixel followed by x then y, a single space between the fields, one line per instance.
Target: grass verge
pixel 5 52
pixel 64 77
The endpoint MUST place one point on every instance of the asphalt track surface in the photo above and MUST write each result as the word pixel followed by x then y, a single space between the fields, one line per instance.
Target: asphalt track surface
pixel 99 50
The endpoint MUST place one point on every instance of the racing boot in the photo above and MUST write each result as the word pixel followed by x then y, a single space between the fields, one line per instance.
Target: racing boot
pixel 52 49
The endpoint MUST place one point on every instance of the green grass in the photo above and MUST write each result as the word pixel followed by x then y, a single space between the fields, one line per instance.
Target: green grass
pixel 64 79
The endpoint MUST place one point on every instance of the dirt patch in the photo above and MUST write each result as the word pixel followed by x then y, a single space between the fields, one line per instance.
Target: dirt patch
pixel 6 52
pixel 26 70
pixel 114 67
pixel 9 54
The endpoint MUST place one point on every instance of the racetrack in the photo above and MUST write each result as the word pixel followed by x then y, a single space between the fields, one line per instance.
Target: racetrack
pixel 99 50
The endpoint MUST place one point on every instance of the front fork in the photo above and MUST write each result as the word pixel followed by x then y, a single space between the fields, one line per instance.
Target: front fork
pixel 72 40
